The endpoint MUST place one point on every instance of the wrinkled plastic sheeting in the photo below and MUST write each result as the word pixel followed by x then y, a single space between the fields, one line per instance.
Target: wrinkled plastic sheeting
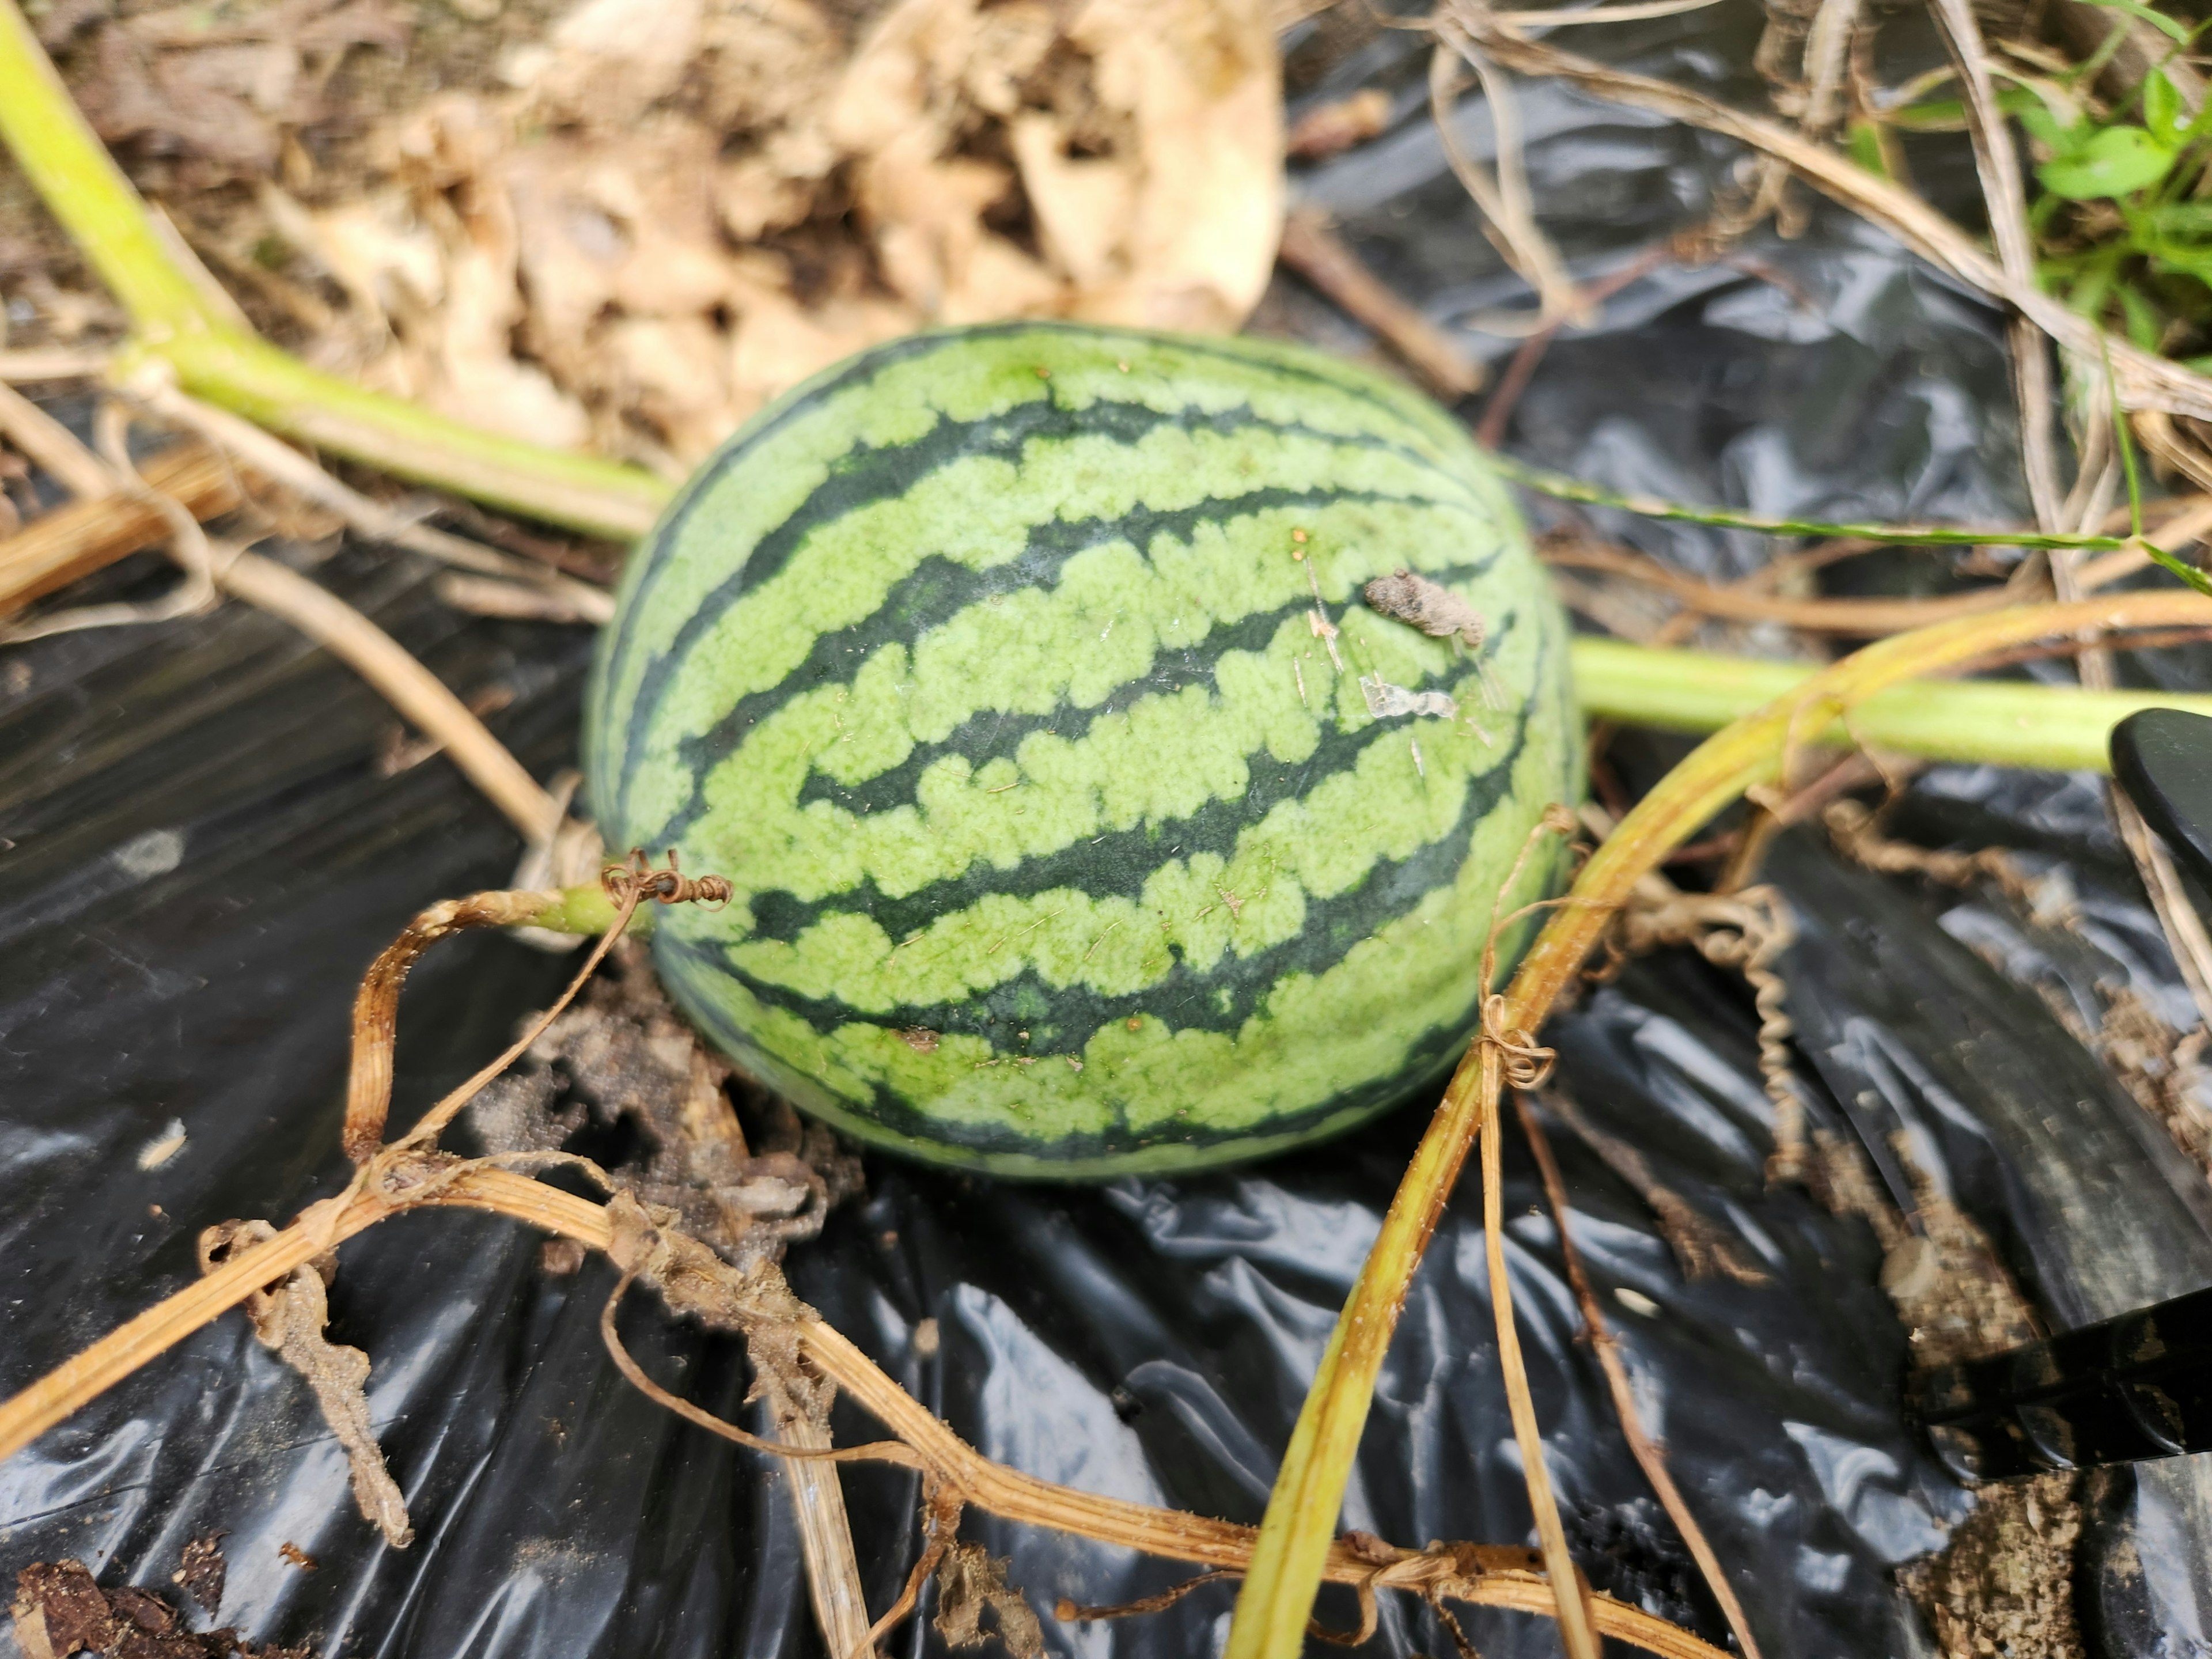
pixel 202 854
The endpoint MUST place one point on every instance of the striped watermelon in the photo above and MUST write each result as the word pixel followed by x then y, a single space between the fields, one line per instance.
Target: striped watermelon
pixel 993 667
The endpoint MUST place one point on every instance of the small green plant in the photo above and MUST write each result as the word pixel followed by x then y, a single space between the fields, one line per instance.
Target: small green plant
pixel 2122 202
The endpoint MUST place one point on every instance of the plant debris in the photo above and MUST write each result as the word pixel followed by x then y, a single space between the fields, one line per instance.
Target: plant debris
pixel 228 84
pixel 289 1320
pixel 623 1054
pixel 1430 607
pixel 60 1609
pixel 666 214
pixel 970 1583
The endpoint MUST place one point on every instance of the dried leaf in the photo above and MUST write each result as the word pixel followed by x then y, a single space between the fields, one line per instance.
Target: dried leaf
pixel 224 86
pixel 969 1583
pixel 557 262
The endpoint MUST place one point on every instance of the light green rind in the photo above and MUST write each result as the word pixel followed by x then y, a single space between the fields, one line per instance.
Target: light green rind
pixel 1236 1025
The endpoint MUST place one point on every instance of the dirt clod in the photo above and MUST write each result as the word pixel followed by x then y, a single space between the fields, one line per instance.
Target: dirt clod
pixel 202 1572
pixel 60 1609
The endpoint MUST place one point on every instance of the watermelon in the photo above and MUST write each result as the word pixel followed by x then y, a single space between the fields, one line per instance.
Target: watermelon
pixel 1083 817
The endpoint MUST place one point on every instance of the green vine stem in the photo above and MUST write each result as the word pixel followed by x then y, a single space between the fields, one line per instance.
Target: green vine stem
pixel 1560 487
pixel 1981 722
pixel 1278 1594
pixel 180 331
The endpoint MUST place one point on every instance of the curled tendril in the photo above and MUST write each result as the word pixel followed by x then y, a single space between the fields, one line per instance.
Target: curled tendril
pixel 638 881
pixel 1526 1062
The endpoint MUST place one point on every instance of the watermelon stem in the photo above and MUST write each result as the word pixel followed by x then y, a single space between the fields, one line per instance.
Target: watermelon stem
pixel 1763 746
pixel 1980 722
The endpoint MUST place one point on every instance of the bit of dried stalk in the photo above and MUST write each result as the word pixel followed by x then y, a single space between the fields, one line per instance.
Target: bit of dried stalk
pixel 420 696
pixel 1700 1247
pixel 277 461
pixel 1502 197
pixel 376 1003
pixel 51 445
pixel 1650 1455
pixel 1333 128
pixel 1314 251
pixel 1855 831
pixel 288 1318
pixel 2145 381
pixel 51 363
pixel 1997 162
pixel 71 542
pixel 494 596
pixel 798 1403
pixel 113 472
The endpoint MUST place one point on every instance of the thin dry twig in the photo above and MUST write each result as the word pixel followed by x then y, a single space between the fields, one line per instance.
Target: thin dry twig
pixel 1650 1455
pixel 1511 1055
pixel 51 363
pixel 496 596
pixel 73 541
pixel 111 473
pixel 51 445
pixel 422 700
pixel 1503 197
pixel 279 462
pixel 419 695
pixel 1998 164
pixel 1318 253
pixel 1700 1246
pixel 2145 380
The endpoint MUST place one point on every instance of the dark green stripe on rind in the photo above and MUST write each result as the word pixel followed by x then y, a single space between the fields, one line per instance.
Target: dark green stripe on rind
pixel 808 438
pixel 979 684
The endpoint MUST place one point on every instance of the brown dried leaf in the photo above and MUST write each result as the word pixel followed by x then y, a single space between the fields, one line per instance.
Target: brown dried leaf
pixel 969 1583
pixel 680 212
pixel 225 84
